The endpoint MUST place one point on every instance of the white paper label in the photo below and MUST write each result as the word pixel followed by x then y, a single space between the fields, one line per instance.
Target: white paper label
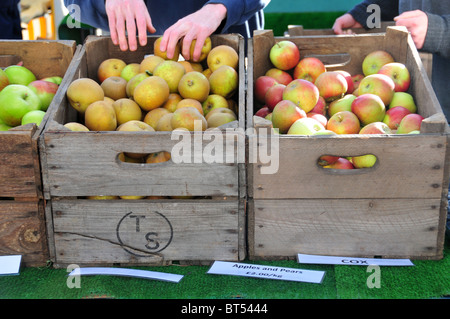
pixel 267 272
pixel 335 260
pixel 10 265
pixel 89 271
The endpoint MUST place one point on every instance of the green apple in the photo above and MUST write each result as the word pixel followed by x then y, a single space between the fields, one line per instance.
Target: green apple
pixel 403 99
pixel 53 79
pixel 45 90
pixel 18 74
pixel 35 117
pixel 364 161
pixel 3 126
pixel 15 101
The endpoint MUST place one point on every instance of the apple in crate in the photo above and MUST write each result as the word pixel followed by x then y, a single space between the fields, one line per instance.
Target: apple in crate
pixel 263 112
pixel 364 161
pixel 285 114
pixel 409 123
pixel 394 116
pixel 344 122
pixel 399 73
pixel 281 76
pixel 320 107
pixel 302 93
pixel 331 85
pixel 45 90
pixel 274 95
pixel 309 69
pixel 262 84
pixel 15 101
pixel 341 163
pixel 305 126
pixel 378 84
pixel 376 128
pixel 403 99
pixel 373 61
pixel 348 78
pixel 368 108
pixel 284 55
pixel 342 104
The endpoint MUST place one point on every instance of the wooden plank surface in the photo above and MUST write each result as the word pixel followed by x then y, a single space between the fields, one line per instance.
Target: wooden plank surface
pixel 146 231
pixel 390 228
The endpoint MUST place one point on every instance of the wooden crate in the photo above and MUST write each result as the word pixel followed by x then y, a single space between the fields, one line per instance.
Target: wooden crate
pixel 22 227
pixel 395 209
pixel 209 225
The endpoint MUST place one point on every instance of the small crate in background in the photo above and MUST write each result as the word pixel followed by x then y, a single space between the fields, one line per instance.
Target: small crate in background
pixel 202 215
pixel 22 222
pixel 396 209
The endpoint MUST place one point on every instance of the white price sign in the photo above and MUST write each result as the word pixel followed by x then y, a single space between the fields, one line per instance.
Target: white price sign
pixel 336 260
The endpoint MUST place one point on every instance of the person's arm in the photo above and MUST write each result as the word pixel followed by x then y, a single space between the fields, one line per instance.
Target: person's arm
pixel 437 39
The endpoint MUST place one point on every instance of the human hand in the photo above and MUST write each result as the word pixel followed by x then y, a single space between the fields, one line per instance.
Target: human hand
pixel 344 22
pixel 417 24
pixel 124 17
pixel 196 26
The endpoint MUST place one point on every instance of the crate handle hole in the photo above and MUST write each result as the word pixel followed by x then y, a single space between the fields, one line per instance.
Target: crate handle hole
pixel 144 158
pixel 360 163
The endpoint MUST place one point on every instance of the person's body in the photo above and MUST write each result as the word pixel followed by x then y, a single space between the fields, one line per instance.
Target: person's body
pixel 194 19
pixel 428 21
pixel 10 28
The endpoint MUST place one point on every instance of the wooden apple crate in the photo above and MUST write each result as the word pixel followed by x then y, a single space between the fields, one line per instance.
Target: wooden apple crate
pixel 298 30
pixel 22 222
pixel 208 225
pixel 396 209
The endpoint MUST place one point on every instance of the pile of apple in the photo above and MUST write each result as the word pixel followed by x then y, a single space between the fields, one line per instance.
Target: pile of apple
pixel 301 97
pixel 24 99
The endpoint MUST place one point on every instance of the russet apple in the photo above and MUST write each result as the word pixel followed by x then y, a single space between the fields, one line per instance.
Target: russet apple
pixel 280 76
pixel 409 123
pixel 375 60
pixel 149 63
pixel 224 81
pixel 188 53
pixel 171 72
pixel 399 73
pixel 368 108
pixel 220 110
pixel 403 99
pixel 130 70
pixel 194 85
pixel 163 54
pixel 126 110
pixel 190 103
pixel 134 126
pixel 274 95
pixel 222 55
pixel 110 67
pixel 45 90
pixel 115 87
pixel 262 84
pixel 188 118
pixel 214 101
pixel 15 101
pixel 342 104
pixel 305 126
pixel 376 128
pixel 76 127
pixel 217 119
pixel 100 116
pixel 151 92
pixel 133 82
pixel 165 123
pixel 394 116
pixel 378 84
pixel 153 116
pixel 171 103
pixel 332 85
pixel 344 122
pixel 302 93
pixel 82 92
pixel 285 113
pixel 309 68
pixel 284 55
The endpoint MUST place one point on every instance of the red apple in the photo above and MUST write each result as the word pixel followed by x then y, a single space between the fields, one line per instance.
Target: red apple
pixel 394 116
pixel 305 126
pixel 325 160
pixel 369 108
pixel 284 55
pixel 348 78
pixel 332 85
pixel 344 122
pixel 342 104
pixel 274 95
pixel 409 123
pixel 341 163
pixel 4 81
pixel 399 73
pixel 375 60
pixel 302 93
pixel 356 79
pixel 262 84
pixel 320 107
pixel 45 90
pixel 322 119
pixel 263 112
pixel 309 69
pixel 285 114
pixel 376 128
pixel 281 76
pixel 378 84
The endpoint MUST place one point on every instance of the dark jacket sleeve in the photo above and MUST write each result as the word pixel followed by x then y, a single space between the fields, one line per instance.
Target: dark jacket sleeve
pixel 437 39
pixel 388 10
